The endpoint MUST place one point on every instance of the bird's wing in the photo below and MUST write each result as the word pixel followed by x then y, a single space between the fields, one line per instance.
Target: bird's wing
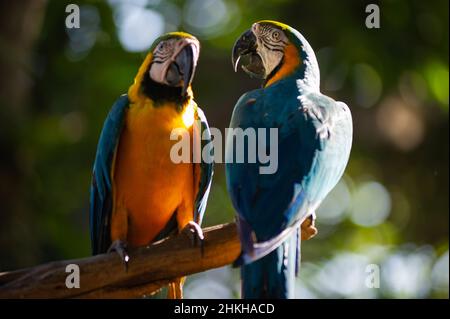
pixel 202 137
pixel 332 123
pixel 101 187
pixel 310 162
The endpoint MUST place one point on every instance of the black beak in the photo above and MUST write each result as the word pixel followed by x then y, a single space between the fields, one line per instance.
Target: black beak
pixel 186 65
pixel 244 45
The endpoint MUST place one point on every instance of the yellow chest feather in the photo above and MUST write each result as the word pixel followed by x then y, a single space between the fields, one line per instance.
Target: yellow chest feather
pixel 148 186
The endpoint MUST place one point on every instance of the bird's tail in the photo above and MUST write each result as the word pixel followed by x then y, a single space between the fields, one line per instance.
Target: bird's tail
pixel 273 276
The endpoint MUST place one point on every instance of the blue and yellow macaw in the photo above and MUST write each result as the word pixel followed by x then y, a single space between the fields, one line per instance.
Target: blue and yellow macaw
pixel 314 142
pixel 138 194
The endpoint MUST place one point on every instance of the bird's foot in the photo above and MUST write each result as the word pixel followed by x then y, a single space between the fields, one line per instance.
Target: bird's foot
pixel 308 228
pixel 195 233
pixel 120 247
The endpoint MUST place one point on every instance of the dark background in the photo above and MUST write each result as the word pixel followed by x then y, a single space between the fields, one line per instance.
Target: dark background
pixel 390 209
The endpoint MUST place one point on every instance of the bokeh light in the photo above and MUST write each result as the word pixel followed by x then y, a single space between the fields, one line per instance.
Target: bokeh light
pixel 210 18
pixel 440 274
pixel 368 85
pixel 400 123
pixel 343 276
pixel 371 204
pixel 137 25
pixel 335 205
pixel 406 273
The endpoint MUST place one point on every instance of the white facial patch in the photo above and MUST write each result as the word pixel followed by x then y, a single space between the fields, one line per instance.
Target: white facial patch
pixel 166 52
pixel 271 42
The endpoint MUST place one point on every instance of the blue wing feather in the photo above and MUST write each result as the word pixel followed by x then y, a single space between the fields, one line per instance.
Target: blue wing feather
pixel 206 168
pixel 101 187
pixel 309 163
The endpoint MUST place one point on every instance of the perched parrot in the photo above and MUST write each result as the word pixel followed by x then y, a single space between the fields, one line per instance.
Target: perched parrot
pixel 138 194
pixel 314 142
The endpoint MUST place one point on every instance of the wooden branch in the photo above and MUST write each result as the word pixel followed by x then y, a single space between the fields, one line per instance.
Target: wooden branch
pixel 104 276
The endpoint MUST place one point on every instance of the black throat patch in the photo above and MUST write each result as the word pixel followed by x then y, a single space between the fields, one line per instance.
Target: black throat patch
pixel 161 93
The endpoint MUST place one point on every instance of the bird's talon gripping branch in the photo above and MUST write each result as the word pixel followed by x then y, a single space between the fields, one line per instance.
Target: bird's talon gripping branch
pixel 308 227
pixel 195 233
pixel 120 247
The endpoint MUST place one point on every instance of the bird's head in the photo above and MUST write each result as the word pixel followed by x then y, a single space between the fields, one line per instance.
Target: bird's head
pixel 271 50
pixel 171 63
pixel 175 57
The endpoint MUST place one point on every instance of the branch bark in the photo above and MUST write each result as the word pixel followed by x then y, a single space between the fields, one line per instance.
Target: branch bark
pixel 104 276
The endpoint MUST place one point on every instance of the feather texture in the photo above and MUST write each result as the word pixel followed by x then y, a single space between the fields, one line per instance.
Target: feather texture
pixel 314 141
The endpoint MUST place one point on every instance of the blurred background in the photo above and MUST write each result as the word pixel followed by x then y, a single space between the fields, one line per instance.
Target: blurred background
pixel 390 209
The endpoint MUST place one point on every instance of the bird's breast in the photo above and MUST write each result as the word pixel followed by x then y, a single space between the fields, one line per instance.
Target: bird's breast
pixel 147 183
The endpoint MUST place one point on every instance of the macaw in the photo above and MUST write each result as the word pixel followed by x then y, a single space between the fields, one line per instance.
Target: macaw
pixel 138 194
pixel 276 211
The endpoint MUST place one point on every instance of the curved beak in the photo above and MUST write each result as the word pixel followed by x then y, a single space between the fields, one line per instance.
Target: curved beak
pixel 244 45
pixel 187 63
pixel 179 70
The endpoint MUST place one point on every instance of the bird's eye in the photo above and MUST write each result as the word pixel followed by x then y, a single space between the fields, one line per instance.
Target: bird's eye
pixel 162 46
pixel 276 35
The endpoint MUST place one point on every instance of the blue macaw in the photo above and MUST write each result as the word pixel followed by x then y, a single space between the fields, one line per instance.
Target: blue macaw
pixel 275 211
pixel 138 193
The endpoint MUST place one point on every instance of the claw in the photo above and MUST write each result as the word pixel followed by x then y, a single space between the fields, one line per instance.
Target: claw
pixel 308 227
pixel 120 247
pixel 195 233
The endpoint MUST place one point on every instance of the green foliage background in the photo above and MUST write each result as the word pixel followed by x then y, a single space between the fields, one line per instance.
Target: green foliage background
pixel 395 80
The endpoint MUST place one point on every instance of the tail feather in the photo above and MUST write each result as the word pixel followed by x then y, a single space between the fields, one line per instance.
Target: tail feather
pixel 273 276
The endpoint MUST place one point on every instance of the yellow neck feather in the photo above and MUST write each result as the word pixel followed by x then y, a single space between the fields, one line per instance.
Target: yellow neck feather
pixel 291 61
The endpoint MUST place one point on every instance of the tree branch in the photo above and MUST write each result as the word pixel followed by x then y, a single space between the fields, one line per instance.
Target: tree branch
pixel 104 276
